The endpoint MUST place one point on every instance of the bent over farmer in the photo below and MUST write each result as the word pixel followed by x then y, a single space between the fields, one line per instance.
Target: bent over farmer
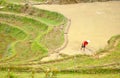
pixel 84 43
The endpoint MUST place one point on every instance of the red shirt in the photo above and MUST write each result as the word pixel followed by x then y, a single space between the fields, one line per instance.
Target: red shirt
pixel 85 43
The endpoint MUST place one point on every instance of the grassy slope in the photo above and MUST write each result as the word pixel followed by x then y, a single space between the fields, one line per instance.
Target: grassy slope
pixel 48 17
pixel 27 24
pixel 53 39
pixel 5 40
pixel 12 30
pixel 9 34
pixel 35 29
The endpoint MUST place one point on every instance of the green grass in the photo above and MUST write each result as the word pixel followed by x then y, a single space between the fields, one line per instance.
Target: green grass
pixel 35 25
pixel 5 40
pixel 30 26
pixel 27 24
pixel 49 17
pixel 77 75
pixel 3 74
pixel 9 34
pixel 23 1
pixel 85 61
pixel 32 45
pixel 12 30
pixel 16 1
pixel 53 39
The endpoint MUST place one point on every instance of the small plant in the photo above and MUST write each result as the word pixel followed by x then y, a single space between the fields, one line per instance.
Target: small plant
pixel 10 74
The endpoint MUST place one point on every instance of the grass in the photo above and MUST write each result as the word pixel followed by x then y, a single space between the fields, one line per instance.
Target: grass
pixel 5 40
pixel 85 61
pixel 23 1
pixel 35 25
pixel 12 30
pixel 3 74
pixel 9 34
pixel 49 17
pixel 27 24
pixel 25 46
pixel 77 75
pixel 53 39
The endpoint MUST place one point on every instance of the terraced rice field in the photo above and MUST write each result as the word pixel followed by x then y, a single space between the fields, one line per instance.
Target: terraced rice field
pixel 28 35
pixel 96 22
pixel 30 31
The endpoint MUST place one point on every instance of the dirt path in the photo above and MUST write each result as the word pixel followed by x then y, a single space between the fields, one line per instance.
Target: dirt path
pixel 96 21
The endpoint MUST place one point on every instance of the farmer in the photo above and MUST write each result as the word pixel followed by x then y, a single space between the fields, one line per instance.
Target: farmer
pixel 84 43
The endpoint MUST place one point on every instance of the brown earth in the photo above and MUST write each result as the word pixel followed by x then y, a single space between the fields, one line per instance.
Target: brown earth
pixel 96 22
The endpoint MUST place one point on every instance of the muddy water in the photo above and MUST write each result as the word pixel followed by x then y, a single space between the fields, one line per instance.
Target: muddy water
pixel 94 21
